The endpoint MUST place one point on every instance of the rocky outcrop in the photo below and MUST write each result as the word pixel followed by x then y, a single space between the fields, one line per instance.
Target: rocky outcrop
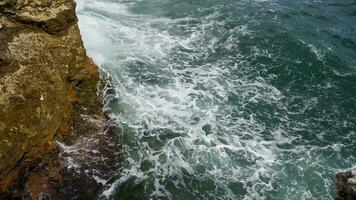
pixel 48 93
pixel 345 185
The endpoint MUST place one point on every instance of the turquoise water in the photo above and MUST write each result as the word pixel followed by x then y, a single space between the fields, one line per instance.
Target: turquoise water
pixel 227 99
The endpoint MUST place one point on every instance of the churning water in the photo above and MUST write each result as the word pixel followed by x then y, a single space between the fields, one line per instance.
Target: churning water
pixel 227 99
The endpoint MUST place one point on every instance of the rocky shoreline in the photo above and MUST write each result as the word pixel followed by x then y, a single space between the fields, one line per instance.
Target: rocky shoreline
pixel 55 140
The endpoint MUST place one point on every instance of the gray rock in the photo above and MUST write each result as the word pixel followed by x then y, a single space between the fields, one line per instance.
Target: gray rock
pixel 345 185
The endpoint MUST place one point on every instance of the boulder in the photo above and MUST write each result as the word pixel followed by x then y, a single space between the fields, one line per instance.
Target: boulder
pixel 345 185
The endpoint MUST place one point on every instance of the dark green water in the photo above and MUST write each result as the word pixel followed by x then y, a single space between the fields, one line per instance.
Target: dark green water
pixel 227 99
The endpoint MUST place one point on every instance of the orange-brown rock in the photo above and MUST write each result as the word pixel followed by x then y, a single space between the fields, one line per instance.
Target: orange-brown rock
pixel 47 85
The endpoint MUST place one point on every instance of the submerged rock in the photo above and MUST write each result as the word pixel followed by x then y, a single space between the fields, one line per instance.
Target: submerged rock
pixel 47 86
pixel 345 185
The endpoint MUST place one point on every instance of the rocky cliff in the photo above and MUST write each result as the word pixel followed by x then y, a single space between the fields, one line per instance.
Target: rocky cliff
pixel 48 96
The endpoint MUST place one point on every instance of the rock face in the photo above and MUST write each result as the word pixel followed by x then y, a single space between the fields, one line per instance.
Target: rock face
pixel 48 92
pixel 345 185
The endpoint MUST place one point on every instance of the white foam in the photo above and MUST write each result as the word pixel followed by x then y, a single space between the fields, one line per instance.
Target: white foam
pixel 164 100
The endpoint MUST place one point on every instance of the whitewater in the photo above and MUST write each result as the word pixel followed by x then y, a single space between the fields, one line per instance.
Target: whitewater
pixel 229 99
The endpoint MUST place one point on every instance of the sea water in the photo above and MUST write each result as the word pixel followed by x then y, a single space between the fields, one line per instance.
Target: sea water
pixel 226 99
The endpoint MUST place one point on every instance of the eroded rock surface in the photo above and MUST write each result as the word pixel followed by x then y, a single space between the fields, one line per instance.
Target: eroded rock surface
pixel 48 91
pixel 345 185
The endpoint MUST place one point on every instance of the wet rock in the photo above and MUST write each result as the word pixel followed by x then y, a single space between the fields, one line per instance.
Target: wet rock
pixel 345 185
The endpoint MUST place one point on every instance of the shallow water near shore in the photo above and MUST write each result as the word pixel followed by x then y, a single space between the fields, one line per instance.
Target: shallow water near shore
pixel 228 99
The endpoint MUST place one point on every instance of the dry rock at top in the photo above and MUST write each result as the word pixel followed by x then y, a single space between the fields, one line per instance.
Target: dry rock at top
pixel 54 16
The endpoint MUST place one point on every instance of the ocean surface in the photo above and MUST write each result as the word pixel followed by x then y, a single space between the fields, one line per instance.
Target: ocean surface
pixel 226 99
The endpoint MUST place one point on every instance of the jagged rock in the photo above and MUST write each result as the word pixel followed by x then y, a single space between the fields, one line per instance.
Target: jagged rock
pixel 47 83
pixel 345 185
